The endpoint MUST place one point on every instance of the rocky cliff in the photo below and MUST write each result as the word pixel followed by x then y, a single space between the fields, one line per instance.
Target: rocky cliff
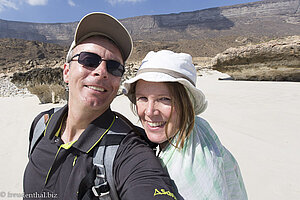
pixel 56 32
pixel 250 19
pixel 276 60
pixel 255 21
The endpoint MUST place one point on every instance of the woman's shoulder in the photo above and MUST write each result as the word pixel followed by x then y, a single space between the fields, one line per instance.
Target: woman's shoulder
pixel 207 135
pixel 204 127
pixel 202 121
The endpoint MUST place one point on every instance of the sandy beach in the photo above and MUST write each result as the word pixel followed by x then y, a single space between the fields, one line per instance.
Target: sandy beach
pixel 257 121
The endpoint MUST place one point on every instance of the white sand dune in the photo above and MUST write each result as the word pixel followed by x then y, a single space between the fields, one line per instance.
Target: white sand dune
pixel 257 121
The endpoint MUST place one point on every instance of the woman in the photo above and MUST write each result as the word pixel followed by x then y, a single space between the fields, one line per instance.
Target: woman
pixel 167 102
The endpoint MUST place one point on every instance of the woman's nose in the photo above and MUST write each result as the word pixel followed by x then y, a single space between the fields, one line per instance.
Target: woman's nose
pixel 151 108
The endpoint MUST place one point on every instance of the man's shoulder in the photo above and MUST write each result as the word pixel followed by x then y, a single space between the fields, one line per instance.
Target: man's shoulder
pixel 136 133
pixel 135 143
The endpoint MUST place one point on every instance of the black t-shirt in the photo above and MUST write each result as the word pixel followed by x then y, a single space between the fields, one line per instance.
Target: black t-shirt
pixel 55 170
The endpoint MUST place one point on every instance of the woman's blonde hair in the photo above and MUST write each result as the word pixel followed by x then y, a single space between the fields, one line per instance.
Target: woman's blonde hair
pixel 184 109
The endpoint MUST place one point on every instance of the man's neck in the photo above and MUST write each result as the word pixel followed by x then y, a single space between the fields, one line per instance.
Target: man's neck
pixel 77 121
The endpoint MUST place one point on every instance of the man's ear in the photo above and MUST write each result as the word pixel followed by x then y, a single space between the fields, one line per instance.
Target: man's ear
pixel 66 72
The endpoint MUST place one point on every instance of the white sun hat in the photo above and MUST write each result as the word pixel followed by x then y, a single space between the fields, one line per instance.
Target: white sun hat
pixel 167 66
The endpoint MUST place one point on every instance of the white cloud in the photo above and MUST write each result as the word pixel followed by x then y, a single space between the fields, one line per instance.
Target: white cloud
pixel 71 3
pixel 37 2
pixel 114 2
pixel 16 4
pixel 7 4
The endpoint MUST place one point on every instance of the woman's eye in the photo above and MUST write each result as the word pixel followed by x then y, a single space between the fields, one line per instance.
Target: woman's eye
pixel 165 99
pixel 141 99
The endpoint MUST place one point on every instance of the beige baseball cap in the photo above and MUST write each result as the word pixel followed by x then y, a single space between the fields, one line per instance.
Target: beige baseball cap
pixel 99 23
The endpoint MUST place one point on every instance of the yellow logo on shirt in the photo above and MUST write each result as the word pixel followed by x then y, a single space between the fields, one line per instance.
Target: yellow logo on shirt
pixel 164 192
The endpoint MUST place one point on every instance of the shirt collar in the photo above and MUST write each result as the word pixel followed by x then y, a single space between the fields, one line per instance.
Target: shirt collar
pixel 95 130
pixel 90 136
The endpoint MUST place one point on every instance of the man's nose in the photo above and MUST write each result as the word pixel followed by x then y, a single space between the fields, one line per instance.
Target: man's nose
pixel 101 70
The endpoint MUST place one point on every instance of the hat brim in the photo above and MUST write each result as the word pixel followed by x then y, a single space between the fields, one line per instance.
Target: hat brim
pixel 200 104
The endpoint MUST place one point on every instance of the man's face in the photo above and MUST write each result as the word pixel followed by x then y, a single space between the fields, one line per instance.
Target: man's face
pixel 93 88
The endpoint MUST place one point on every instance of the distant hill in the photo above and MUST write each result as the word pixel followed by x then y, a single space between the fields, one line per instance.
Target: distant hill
pixel 200 33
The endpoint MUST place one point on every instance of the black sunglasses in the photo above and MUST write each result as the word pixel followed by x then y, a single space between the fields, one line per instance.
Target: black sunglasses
pixel 93 60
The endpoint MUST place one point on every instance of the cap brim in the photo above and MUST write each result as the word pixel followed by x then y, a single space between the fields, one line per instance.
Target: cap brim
pixel 98 23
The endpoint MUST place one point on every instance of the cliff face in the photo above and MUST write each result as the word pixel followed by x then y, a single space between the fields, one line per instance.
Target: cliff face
pixel 286 11
pixel 57 33
pixel 268 18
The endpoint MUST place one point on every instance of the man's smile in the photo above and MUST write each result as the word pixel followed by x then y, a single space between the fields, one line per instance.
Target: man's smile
pixel 97 88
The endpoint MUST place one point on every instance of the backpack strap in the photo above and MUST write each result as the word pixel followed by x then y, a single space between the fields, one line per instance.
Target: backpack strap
pixel 104 155
pixel 38 127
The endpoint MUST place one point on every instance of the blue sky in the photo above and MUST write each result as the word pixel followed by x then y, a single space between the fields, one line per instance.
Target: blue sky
pixel 53 11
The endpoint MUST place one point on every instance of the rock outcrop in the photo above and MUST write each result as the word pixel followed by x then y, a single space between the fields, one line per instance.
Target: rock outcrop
pixel 276 60
pixel 8 89
pixel 23 55
pixel 46 83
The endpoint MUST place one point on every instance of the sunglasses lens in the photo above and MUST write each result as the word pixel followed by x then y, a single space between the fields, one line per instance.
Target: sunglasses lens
pixel 115 68
pixel 93 60
pixel 89 59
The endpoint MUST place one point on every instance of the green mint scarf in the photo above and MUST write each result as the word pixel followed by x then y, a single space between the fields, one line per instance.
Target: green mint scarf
pixel 204 168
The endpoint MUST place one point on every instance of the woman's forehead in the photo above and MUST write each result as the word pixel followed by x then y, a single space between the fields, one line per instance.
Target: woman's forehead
pixel 143 85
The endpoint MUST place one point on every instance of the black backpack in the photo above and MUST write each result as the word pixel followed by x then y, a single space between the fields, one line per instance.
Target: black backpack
pixel 100 179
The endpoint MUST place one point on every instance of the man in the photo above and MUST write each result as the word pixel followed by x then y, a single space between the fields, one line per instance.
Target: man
pixel 61 164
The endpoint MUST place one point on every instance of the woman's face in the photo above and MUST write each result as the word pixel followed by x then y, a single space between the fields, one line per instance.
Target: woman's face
pixel 154 108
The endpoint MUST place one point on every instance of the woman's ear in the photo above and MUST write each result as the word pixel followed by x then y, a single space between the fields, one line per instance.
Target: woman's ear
pixel 66 72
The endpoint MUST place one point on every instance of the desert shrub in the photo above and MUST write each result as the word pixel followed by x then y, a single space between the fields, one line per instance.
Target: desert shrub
pixel 52 93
